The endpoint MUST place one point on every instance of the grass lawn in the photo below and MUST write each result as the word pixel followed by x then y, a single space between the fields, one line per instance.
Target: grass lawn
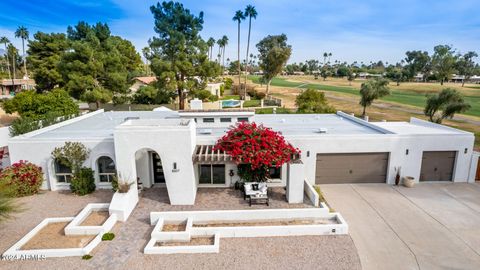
pixel 235 97
pixel 408 96
pixel 251 103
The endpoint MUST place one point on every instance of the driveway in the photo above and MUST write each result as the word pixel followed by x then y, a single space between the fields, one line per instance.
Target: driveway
pixel 430 226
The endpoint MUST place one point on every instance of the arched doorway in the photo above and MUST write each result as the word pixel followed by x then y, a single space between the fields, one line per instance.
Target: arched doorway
pixel 149 168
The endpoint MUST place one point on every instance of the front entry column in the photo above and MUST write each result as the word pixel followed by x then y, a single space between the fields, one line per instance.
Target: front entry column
pixel 295 182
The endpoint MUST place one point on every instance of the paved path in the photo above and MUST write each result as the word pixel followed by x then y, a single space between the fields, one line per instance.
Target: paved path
pixel 431 226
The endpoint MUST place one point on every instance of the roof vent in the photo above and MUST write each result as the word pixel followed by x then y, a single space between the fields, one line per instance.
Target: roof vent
pixel 131 118
pixel 205 131
pixel 282 120
pixel 322 130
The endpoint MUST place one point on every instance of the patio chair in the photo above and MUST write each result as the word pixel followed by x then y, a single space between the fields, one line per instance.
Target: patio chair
pixel 249 191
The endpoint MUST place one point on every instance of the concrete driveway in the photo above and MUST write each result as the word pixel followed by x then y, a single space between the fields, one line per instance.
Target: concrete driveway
pixel 430 226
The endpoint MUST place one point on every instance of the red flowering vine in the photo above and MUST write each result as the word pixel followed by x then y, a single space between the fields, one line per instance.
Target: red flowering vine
pixel 256 146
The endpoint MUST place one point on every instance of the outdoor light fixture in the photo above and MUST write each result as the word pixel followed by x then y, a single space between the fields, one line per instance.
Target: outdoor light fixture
pixel 466 150
pixel 175 167
pixel 406 152
pixel 308 153
pixel 231 173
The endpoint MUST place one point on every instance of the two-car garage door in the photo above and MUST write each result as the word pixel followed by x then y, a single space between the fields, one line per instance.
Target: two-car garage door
pixel 351 168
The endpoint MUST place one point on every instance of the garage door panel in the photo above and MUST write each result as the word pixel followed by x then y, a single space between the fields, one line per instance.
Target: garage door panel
pixel 351 168
pixel 437 165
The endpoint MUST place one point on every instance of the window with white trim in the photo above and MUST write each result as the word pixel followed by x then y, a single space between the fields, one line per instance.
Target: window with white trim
pixel 62 173
pixel 106 169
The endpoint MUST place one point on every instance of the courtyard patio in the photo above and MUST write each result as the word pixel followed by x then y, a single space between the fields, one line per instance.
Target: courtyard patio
pixel 218 199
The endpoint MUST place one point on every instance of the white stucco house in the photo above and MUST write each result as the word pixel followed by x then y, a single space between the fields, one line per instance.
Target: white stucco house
pixel 174 150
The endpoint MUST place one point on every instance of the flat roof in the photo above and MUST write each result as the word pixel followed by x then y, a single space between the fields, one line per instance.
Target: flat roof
pixel 406 128
pixel 101 125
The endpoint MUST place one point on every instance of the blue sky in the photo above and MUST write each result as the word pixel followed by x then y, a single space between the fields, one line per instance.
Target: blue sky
pixel 366 30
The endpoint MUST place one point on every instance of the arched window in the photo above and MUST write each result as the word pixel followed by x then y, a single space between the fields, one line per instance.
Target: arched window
pixel 62 172
pixel 106 169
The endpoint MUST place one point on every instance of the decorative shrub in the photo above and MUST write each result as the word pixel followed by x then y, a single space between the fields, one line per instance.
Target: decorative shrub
pixel 87 257
pixel 83 182
pixel 120 185
pixel 256 148
pixel 22 178
pixel 108 236
pixel 7 204
pixel 72 155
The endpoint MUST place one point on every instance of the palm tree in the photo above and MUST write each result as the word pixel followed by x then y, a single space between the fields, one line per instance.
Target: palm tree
pixel 22 32
pixel 5 41
pixel 210 43
pixel 329 55
pixel 239 17
pixel 325 55
pixel 250 12
pixel 224 40
pixel 219 55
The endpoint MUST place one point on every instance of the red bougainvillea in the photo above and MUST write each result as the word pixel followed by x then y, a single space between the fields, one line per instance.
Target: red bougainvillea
pixel 257 146
pixel 22 178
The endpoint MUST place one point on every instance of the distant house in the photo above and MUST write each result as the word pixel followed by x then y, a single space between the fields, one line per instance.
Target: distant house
pixel 366 75
pixel 457 78
pixel 418 77
pixel 141 81
pixel 214 88
pixel 9 87
pixel 475 79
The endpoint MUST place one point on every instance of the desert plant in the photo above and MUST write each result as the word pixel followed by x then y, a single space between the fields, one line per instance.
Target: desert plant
pixel 87 257
pixel 22 178
pixel 121 185
pixel 72 155
pixel 83 182
pixel 108 236
pixel 7 204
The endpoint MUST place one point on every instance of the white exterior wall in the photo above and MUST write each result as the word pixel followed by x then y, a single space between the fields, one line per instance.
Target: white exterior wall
pixel 39 152
pixel 173 143
pixel 395 144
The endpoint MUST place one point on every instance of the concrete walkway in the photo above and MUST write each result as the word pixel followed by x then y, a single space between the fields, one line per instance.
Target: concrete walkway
pixel 431 226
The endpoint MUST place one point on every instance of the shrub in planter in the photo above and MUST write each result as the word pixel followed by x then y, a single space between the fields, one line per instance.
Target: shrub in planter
pixel 22 178
pixel 83 182
pixel 108 236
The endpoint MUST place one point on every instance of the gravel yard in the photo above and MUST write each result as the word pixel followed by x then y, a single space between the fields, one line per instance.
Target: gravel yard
pixel 126 250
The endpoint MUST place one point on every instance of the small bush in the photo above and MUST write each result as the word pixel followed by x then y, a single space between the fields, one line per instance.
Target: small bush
pixel 87 257
pixel 83 182
pixel 22 178
pixel 213 98
pixel 108 236
pixel 260 95
pixel 228 83
pixel 203 95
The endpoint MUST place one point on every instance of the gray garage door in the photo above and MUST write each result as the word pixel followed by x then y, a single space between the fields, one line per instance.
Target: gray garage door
pixel 351 168
pixel 437 166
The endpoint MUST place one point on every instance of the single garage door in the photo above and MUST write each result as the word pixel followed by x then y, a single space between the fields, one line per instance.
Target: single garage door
pixel 437 165
pixel 351 168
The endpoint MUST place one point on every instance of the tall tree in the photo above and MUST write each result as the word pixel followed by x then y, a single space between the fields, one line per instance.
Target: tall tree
pixel 444 105
pixel 371 90
pixel 443 62
pixel 417 62
pixel 250 12
pixel 210 44
pixel 239 17
pixel 274 53
pixel 219 54
pixel 5 41
pixel 179 53
pixel 45 52
pixel 224 40
pixel 466 66
pixel 22 32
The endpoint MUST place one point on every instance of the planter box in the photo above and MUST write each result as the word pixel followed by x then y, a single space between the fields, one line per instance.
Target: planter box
pixel 122 204
pixel 16 252
pixel 150 248
pixel 74 227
